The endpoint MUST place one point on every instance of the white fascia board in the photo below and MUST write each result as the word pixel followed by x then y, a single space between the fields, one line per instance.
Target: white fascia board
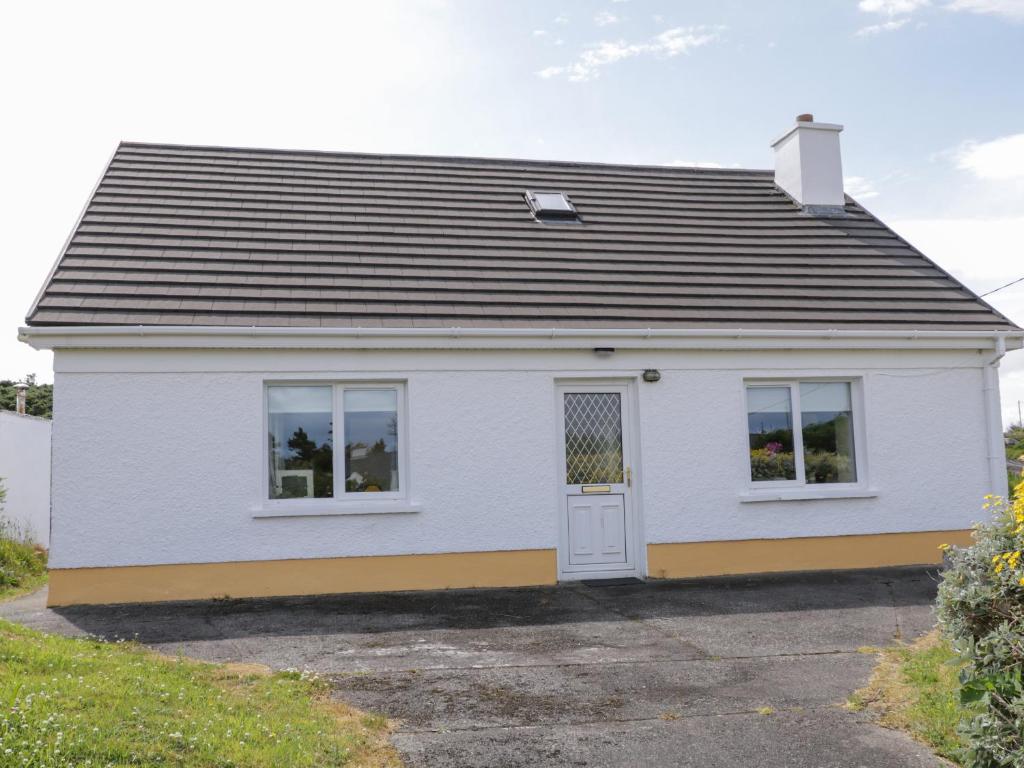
pixel 219 337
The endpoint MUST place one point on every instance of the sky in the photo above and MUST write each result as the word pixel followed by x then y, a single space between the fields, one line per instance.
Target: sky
pixel 929 92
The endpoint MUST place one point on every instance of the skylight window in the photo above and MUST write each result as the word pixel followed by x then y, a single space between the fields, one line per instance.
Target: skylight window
pixel 551 206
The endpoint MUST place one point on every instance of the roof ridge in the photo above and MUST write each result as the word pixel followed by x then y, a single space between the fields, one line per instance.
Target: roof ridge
pixel 452 158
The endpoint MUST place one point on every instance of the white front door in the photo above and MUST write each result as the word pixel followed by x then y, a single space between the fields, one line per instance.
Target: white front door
pixel 598 536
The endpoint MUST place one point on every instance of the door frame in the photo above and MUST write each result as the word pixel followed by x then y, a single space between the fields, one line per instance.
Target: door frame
pixel 636 545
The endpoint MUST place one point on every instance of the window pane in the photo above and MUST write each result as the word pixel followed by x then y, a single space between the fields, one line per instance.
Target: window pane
pixel 301 453
pixel 552 201
pixel 371 440
pixel 593 438
pixel 770 426
pixel 826 414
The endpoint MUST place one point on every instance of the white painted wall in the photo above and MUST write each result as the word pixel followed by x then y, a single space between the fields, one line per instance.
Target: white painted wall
pixel 25 470
pixel 158 454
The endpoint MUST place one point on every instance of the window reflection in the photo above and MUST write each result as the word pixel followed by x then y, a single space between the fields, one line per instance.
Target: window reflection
pixel 770 428
pixel 301 453
pixel 826 420
pixel 371 440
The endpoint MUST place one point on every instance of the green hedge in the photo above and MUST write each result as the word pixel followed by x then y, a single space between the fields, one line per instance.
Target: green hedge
pixel 981 611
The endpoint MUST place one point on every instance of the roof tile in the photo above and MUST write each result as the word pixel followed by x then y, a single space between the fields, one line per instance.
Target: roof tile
pixel 215 236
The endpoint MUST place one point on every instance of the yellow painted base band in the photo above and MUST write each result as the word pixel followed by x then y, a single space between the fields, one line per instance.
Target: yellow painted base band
pixel 518 568
pixel 265 578
pixel 815 553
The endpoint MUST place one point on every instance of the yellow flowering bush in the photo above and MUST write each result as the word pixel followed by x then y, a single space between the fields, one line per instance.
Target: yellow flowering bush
pixel 981 611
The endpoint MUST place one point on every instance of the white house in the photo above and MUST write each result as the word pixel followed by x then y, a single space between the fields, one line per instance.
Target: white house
pixel 283 372
pixel 25 473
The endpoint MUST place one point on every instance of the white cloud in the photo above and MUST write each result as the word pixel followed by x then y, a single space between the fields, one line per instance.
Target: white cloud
pixel 899 11
pixel 891 7
pixel 998 160
pixel 671 42
pixel 888 26
pixel 983 254
pixel 1010 9
pixel 549 72
pixel 604 18
pixel 859 187
pixel 983 251
pixel 539 32
pixel 561 19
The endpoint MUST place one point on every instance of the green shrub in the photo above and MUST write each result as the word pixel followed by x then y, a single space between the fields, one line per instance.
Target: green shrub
pixel 22 566
pixel 981 611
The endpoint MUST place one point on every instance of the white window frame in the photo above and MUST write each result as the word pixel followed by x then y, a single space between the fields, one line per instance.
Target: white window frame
pixel 756 487
pixel 343 502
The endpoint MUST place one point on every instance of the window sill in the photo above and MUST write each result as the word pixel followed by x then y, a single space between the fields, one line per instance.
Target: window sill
pixel 807 494
pixel 335 508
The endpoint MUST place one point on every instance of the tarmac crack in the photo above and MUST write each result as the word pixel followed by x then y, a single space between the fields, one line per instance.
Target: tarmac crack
pixel 898 634
pixel 616 721
pixel 601 662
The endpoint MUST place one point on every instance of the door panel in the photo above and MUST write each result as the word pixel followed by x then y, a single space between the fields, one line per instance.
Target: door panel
pixel 613 529
pixel 597 529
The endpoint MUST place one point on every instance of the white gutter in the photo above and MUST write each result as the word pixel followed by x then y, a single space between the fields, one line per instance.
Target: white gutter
pixel 998 484
pixel 136 336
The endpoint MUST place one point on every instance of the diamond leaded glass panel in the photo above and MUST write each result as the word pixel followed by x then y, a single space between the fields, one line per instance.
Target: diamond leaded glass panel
pixel 593 438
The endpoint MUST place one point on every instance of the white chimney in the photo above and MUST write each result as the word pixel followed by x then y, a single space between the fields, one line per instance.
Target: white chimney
pixel 809 166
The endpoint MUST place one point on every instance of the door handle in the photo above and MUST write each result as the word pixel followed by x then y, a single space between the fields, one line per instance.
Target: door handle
pixel 629 477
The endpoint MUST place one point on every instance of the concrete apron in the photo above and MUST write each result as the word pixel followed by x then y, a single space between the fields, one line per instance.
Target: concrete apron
pixel 679 673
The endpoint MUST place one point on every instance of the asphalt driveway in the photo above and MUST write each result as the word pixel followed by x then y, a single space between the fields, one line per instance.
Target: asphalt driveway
pixel 716 672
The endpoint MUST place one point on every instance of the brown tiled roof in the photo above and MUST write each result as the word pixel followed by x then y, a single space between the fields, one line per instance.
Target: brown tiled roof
pixel 180 235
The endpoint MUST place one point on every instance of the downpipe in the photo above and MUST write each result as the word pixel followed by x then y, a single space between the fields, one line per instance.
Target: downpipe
pixel 993 414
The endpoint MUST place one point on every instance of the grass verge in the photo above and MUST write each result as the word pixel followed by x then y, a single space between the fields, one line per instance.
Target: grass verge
pixel 22 565
pixel 915 689
pixel 81 702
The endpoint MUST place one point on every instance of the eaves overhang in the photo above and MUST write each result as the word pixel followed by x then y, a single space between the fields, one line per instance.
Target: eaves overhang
pixel 264 337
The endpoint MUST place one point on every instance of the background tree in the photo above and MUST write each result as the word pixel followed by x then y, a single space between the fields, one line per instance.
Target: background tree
pixel 38 399
pixel 305 454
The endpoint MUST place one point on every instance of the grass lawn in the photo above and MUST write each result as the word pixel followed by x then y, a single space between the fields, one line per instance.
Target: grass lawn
pixel 79 702
pixel 915 689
